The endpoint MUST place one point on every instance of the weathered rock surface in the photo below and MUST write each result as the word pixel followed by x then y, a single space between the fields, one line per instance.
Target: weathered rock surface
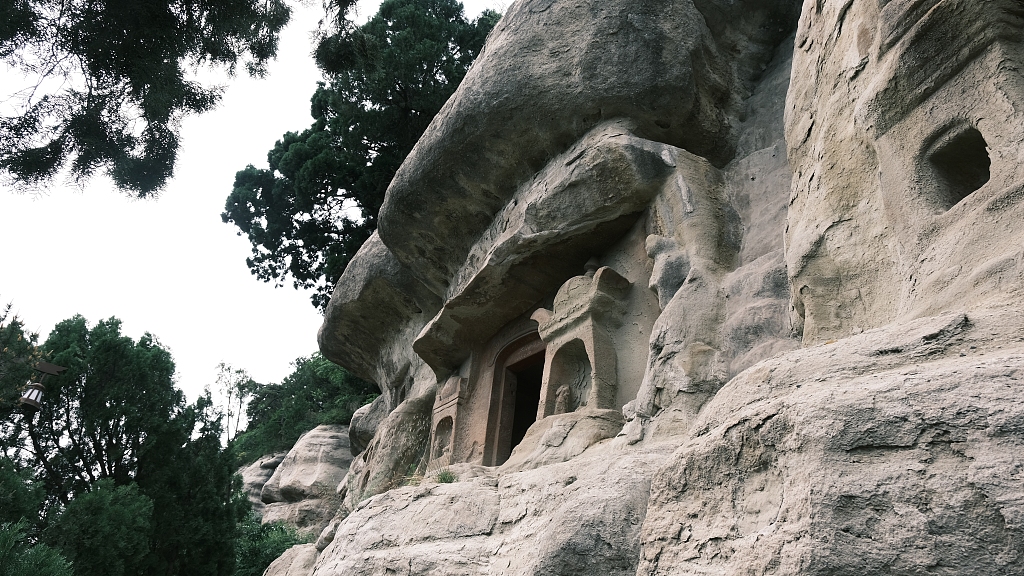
pixel 302 491
pixel 393 454
pixel 365 421
pixel 542 81
pixel 255 476
pixel 898 451
pixel 904 132
pixel 562 437
pixel 578 517
pixel 814 210
pixel 582 202
pixel 720 276
pixel 374 303
pixel 296 561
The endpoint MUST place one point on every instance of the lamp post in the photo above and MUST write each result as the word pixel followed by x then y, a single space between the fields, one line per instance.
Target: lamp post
pixel 32 398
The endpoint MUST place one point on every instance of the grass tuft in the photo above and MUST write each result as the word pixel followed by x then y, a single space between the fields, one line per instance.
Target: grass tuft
pixel 446 476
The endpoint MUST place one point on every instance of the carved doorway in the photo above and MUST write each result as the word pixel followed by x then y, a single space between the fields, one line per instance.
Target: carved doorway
pixel 525 379
pixel 516 390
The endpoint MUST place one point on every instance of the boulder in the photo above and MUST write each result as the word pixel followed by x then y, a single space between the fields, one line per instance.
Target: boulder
pixel 376 300
pixel 544 79
pixel 296 561
pixel 255 476
pixel 302 491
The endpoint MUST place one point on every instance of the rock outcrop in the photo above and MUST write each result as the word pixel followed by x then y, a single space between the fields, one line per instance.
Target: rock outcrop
pixel 904 134
pixel 896 451
pixel 364 424
pixel 577 517
pixel 255 476
pixel 296 561
pixel 698 287
pixel 303 489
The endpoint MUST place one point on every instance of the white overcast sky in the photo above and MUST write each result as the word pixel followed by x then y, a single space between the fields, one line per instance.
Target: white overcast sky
pixel 170 266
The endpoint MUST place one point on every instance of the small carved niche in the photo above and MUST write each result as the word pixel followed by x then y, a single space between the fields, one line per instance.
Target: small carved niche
pixel 441 450
pixel 571 369
pixel 960 160
pixel 446 412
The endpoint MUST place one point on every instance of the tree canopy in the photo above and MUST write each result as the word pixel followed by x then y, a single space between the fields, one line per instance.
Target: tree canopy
pixel 117 456
pixel 259 544
pixel 116 397
pixel 106 531
pixel 19 558
pixel 318 202
pixel 108 82
pixel 316 392
pixel 119 475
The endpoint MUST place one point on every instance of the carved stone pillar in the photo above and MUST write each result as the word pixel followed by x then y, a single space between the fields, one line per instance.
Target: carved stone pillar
pixel 580 358
pixel 446 413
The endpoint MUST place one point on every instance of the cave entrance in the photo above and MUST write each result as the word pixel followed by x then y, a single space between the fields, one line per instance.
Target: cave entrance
pixel 962 164
pixel 525 380
pixel 518 379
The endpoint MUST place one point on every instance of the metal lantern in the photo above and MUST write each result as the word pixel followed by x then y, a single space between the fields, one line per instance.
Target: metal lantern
pixel 32 398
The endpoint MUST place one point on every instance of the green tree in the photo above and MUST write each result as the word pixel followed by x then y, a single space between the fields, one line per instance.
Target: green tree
pixel 196 507
pixel 19 558
pixel 106 531
pixel 115 420
pixel 316 392
pixel 233 389
pixel 116 396
pixel 109 81
pixel 20 496
pixel 317 203
pixel 259 544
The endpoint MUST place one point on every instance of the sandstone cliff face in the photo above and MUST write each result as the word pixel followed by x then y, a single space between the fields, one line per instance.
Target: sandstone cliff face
pixel 904 133
pixel 796 348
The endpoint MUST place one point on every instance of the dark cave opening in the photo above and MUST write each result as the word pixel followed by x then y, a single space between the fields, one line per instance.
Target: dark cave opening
pixel 528 385
pixel 962 164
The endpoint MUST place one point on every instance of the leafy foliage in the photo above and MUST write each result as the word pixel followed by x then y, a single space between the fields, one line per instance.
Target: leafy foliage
pixel 125 478
pixel 121 455
pixel 192 483
pixel 106 531
pixel 316 392
pixel 446 476
pixel 18 558
pixel 258 544
pixel 231 393
pixel 318 202
pixel 115 398
pixel 111 80
pixel 20 495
